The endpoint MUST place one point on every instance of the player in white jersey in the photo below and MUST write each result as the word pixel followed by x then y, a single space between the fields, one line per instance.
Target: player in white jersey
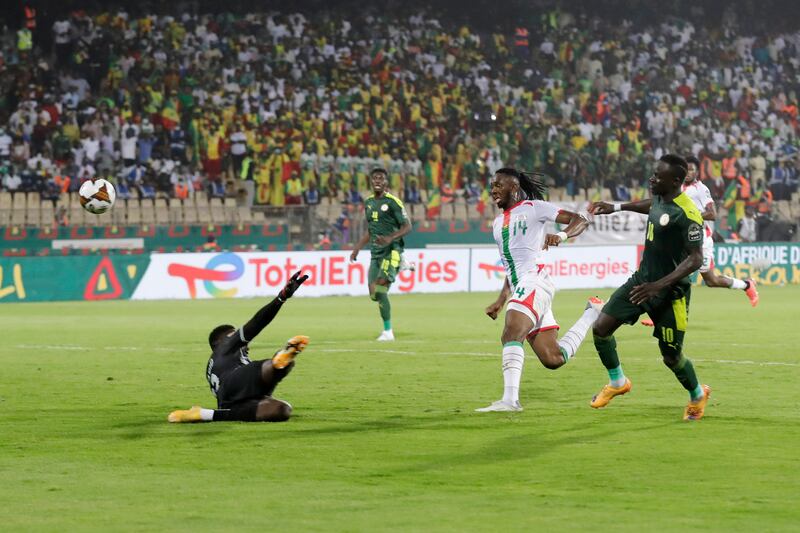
pixel 521 238
pixel 701 196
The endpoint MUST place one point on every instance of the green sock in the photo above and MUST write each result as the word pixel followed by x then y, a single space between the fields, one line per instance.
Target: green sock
pixel 616 376
pixel 684 371
pixel 697 393
pixel 607 350
pixel 384 306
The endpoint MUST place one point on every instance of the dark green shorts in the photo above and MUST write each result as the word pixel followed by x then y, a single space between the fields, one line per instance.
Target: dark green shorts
pixel 384 267
pixel 669 313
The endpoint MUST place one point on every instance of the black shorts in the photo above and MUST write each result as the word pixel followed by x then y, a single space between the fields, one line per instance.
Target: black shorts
pixel 244 383
pixel 669 311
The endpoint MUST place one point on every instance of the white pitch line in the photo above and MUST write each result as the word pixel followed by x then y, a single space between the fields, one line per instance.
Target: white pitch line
pixel 372 350
pixel 643 340
pixel 72 347
pixel 733 362
pixel 740 344
pixel 351 350
pixel 492 354
pixel 421 341
pixel 50 347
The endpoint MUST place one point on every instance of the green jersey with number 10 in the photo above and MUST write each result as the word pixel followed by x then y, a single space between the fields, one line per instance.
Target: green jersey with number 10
pixel 672 228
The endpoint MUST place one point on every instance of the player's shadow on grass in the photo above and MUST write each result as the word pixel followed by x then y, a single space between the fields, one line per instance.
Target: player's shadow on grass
pixel 711 418
pixel 149 428
pixel 443 421
pixel 529 446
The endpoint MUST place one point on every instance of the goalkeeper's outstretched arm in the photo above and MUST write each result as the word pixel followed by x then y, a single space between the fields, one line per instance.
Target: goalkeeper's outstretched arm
pixel 264 316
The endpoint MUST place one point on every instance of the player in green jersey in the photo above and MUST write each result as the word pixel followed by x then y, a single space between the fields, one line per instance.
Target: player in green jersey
pixel 387 223
pixel 660 287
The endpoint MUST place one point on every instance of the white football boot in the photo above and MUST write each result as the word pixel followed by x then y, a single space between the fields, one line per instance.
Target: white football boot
pixel 386 335
pixel 500 406
pixel 596 304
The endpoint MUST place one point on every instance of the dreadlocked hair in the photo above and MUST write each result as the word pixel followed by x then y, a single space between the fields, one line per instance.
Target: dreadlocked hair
pixel 531 183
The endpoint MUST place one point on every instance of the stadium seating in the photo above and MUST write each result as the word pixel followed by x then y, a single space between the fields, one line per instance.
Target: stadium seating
pixel 32 240
pixel 548 111
pixel 28 210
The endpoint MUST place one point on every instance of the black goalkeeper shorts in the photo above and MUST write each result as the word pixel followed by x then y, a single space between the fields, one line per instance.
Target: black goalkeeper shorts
pixel 244 383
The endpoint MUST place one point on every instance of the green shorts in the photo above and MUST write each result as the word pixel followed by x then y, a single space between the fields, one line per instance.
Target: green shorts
pixel 669 313
pixel 384 267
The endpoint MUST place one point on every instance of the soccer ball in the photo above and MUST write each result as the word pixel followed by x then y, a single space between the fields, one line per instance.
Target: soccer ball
pixel 97 196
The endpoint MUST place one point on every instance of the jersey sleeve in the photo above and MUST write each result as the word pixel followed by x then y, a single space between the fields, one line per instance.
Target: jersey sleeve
pixel 367 205
pixel 545 211
pixel 399 211
pixel 705 197
pixel 692 233
pixel 232 342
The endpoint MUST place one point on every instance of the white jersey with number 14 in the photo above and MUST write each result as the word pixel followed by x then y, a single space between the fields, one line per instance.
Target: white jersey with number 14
pixel 519 233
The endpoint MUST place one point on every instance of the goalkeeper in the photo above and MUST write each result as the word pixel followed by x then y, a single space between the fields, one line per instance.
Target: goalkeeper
pixel 243 387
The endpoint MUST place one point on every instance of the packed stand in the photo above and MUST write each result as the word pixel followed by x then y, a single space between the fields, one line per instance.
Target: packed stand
pixel 277 109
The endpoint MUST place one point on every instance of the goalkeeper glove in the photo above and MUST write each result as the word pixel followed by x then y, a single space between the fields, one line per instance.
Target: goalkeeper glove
pixel 292 285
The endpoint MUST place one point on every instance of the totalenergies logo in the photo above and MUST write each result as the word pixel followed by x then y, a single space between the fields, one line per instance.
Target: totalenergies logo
pixel 493 271
pixel 210 274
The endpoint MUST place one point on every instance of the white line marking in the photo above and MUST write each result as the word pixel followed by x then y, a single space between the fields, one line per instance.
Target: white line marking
pixel 50 347
pixel 351 350
pixel 373 350
pixel 73 347
pixel 732 362
pixel 497 354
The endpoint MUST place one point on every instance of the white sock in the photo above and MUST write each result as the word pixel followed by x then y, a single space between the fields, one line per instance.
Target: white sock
pixel 206 415
pixel 737 283
pixel 573 338
pixel 513 359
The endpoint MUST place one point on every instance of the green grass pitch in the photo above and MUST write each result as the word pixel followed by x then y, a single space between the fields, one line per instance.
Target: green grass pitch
pixel 384 436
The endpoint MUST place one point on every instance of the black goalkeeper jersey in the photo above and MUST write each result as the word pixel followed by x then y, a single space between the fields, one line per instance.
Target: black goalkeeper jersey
pixel 230 354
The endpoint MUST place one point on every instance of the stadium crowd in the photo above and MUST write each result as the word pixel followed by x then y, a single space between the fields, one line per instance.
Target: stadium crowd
pixel 285 109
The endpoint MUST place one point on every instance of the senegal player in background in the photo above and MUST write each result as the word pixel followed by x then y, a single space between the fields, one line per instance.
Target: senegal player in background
pixel 387 223
pixel 660 287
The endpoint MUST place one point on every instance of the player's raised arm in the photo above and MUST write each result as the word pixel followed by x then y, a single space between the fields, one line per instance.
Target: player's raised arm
pixel 576 224
pixel 265 315
pixel 606 208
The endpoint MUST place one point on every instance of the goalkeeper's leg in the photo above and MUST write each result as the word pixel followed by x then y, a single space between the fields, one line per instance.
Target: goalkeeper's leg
pixel 265 410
